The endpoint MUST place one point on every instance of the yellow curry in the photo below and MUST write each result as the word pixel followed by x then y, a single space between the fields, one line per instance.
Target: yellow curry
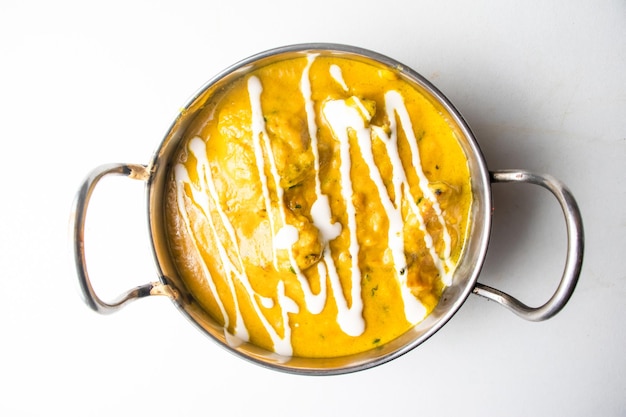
pixel 318 205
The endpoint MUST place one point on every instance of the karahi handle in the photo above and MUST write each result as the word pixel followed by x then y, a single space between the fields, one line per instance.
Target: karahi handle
pixel 575 249
pixel 77 224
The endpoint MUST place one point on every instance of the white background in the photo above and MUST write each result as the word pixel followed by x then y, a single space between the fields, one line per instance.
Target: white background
pixel 543 86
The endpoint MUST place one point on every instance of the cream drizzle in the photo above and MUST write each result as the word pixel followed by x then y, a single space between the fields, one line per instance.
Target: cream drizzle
pixel 201 195
pixel 261 148
pixel 335 72
pixel 205 195
pixel 314 302
pixel 394 104
pixel 320 210
pixel 350 319
pixel 342 116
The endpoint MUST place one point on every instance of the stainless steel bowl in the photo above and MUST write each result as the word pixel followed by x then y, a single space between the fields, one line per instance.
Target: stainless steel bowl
pixel 465 277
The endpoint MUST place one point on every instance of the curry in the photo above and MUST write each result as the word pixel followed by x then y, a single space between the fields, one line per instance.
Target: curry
pixel 317 206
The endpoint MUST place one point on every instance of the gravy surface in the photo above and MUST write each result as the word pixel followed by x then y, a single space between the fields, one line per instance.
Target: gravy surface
pixel 317 206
